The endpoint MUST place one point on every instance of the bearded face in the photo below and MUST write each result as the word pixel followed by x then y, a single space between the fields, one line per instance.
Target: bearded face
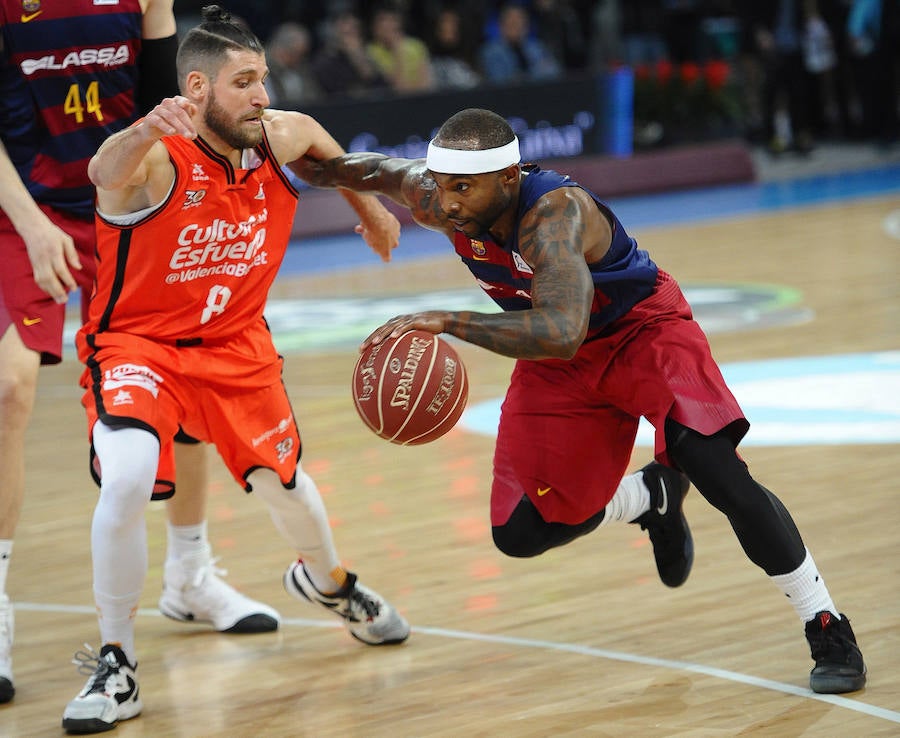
pixel 240 131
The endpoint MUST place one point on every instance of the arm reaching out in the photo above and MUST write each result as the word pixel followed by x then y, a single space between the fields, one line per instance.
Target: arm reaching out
pixel 131 169
pixel 405 181
pixel 296 137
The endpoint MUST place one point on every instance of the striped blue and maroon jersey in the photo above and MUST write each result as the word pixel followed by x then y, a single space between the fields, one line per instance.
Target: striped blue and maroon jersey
pixel 68 72
pixel 622 278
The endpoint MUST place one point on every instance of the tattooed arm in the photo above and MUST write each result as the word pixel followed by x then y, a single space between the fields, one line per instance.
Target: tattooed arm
pixel 405 181
pixel 557 237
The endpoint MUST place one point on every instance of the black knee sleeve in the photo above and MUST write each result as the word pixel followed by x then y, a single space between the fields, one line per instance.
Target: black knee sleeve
pixel 527 534
pixel 763 525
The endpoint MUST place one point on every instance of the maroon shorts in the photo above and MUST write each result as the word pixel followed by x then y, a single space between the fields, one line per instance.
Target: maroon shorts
pixel 36 316
pixel 567 428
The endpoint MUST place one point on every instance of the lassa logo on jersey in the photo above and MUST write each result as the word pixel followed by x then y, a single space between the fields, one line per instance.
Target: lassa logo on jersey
pixel 108 56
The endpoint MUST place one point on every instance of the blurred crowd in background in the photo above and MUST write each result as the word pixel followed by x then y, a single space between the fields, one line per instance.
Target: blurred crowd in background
pixel 782 73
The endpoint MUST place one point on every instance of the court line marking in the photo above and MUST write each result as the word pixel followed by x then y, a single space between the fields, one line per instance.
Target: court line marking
pixel 463 635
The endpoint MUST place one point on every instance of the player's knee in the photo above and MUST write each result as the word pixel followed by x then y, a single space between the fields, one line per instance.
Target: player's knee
pixel 512 541
pixel 267 485
pixel 17 393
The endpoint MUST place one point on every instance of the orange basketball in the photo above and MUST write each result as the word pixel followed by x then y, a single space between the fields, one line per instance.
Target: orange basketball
pixel 412 389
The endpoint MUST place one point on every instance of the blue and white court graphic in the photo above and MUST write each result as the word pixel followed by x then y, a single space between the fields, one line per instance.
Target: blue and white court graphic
pixel 842 399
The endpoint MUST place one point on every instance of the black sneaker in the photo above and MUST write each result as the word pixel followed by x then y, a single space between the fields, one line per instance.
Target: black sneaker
pixel 839 663
pixel 673 547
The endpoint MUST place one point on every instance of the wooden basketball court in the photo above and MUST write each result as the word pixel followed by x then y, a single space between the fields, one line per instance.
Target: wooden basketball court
pixel 583 641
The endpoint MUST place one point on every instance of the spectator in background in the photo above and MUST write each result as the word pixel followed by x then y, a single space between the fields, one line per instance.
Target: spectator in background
pixel 291 80
pixel 682 29
pixel 558 24
pixel 777 27
pixel 515 56
pixel 627 32
pixel 452 61
pixel 343 66
pixel 873 27
pixel 643 37
pixel 402 59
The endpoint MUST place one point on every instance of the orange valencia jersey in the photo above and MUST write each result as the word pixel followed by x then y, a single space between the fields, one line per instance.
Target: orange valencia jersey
pixel 199 266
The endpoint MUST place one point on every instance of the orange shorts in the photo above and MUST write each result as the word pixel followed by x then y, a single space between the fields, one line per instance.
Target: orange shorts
pixel 229 393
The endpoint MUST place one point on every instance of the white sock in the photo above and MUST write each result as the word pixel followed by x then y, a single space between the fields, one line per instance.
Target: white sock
pixel 6 546
pixel 806 590
pixel 116 619
pixel 299 515
pixel 631 500
pixel 188 546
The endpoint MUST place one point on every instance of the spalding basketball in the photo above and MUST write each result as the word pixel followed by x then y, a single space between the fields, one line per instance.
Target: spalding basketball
pixel 411 389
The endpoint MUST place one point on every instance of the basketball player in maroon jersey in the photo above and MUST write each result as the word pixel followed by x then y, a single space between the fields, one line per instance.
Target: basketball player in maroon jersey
pixel 602 337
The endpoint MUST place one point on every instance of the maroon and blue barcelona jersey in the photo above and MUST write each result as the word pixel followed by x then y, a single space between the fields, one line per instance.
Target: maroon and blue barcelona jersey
pixel 68 72
pixel 622 278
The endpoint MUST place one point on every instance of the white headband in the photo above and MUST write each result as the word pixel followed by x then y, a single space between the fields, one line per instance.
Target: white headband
pixel 459 161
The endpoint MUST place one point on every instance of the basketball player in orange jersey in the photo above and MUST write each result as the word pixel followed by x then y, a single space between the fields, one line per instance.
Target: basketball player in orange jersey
pixel 194 214
pixel 602 336
pixel 72 74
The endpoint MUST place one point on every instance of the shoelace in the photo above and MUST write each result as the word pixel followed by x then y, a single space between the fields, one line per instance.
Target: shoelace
pixel 368 604
pixel 90 663
pixel 830 643
pixel 208 569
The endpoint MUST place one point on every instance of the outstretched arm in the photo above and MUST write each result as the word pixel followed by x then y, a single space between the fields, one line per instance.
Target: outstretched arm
pixel 295 138
pixel 131 169
pixel 405 181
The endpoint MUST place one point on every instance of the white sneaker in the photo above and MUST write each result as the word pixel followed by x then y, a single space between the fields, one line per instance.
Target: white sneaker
pixel 110 695
pixel 7 622
pixel 368 616
pixel 205 598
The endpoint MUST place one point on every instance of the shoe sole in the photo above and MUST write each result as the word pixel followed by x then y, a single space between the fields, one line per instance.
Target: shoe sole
pixel 77 726
pixel 688 553
pixel 7 690
pixel 249 624
pixel 688 537
pixel 836 683
pixel 385 642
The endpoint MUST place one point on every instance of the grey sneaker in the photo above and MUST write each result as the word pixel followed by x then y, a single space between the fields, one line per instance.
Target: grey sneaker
pixel 368 616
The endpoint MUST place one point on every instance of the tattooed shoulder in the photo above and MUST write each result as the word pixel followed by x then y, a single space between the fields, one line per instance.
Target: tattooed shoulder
pixel 555 223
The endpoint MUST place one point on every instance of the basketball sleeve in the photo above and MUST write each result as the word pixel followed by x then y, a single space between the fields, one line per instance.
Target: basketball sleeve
pixel 158 77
